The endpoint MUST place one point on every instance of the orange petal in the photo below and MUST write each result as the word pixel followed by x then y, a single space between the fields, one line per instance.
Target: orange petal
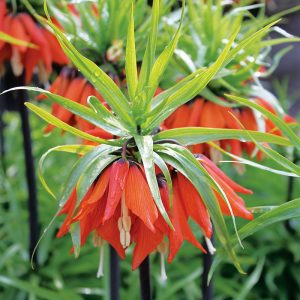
pixel 195 113
pixel 100 186
pixel 219 174
pixel 117 179
pixel 18 31
pixel 182 116
pixel 194 205
pixel 212 116
pixel 109 232
pixel 182 230
pixel 67 209
pixel 138 197
pixel 37 37
pixel 146 242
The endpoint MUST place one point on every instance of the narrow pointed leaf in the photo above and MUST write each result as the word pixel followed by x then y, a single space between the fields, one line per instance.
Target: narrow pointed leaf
pixel 64 126
pixel 195 135
pixel 130 66
pixel 76 149
pixel 145 146
pixel 105 85
pixel 275 119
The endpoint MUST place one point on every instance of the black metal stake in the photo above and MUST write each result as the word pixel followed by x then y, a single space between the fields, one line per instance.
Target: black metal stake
pixel 30 177
pixel 114 274
pixel 14 101
pixel 145 280
pixel 207 289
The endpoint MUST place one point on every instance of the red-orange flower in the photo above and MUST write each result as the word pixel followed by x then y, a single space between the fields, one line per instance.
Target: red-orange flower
pixel 46 52
pixel 203 113
pixel 119 209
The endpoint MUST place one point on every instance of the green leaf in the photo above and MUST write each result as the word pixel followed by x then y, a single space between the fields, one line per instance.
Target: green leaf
pixel 66 127
pixel 80 168
pixel 165 170
pixel 104 84
pixel 246 42
pixel 275 119
pixel 244 161
pixel 101 118
pixel 145 146
pixel 195 135
pixel 281 213
pixel 252 279
pixel 130 66
pixel 190 89
pixel 163 60
pixel 106 115
pixel 39 292
pixel 10 39
pixel 149 55
pixel 76 149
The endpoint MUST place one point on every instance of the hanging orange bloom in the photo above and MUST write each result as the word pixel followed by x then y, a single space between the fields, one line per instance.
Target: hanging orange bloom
pixel 203 113
pixel 22 58
pixel 119 209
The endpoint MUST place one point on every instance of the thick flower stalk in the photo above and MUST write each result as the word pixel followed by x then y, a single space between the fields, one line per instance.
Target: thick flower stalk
pixel 43 52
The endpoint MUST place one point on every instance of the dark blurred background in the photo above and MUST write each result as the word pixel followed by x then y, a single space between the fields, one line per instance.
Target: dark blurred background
pixel 289 68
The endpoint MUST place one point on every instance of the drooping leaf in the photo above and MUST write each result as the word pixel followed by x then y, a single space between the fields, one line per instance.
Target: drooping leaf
pixel 66 127
pixel 195 135
pixel 76 149
pixel 145 146
pixel 104 84
pixel 275 119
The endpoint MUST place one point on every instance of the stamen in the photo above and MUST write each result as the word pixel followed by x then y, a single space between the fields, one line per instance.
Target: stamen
pixel 101 260
pixel 124 224
pixel 210 246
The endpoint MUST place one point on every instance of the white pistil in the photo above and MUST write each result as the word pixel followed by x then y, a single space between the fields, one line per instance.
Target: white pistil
pixel 162 249
pixel 99 242
pixel 101 260
pixel 210 246
pixel 163 274
pixel 124 224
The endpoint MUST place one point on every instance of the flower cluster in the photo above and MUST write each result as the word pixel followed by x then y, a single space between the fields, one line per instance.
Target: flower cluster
pixel 43 52
pixel 119 209
pixel 204 113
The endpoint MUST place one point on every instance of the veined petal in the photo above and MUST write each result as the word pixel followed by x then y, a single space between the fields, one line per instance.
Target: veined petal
pixel 180 222
pixel 212 116
pixel 146 242
pixel 195 113
pixel 138 197
pixel 219 174
pixel 109 232
pixel 100 187
pixel 117 180
pixel 194 205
